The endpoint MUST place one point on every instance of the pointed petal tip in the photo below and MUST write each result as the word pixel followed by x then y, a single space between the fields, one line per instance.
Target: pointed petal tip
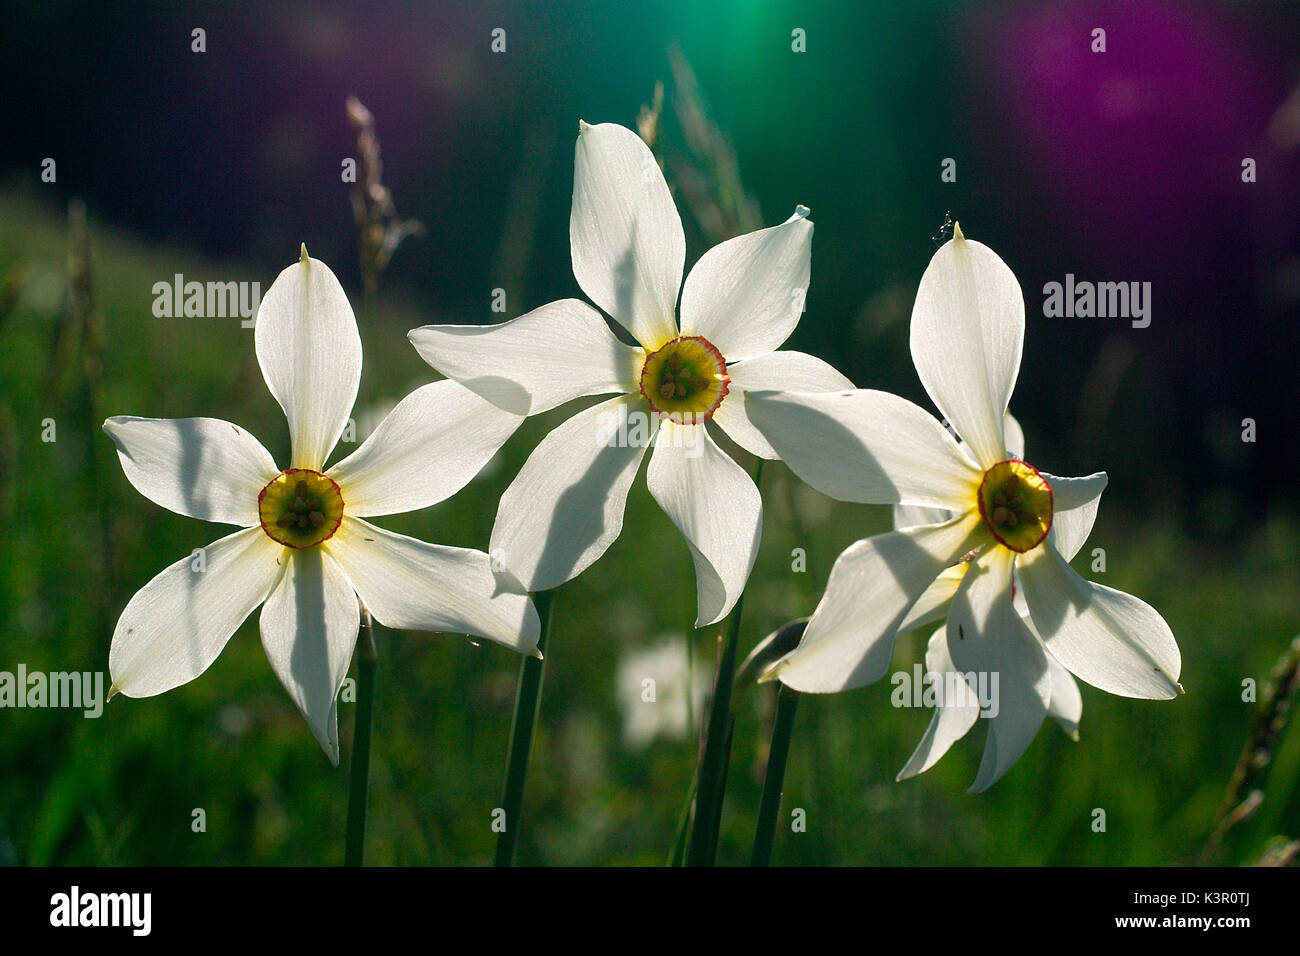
pixel 302 254
pixel 537 654
pixel 772 673
pixel 113 691
pixel 802 212
pixel 583 126
pixel 958 236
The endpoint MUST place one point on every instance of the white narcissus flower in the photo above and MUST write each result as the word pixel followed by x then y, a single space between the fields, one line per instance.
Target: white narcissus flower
pixel 1013 522
pixel 304 553
pixel 955 715
pixel 740 302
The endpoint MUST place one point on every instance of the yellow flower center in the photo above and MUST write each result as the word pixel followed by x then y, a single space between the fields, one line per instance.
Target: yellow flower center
pixel 300 508
pixel 1015 502
pixel 685 380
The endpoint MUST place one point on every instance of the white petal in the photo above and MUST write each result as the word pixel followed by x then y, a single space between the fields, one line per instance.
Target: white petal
pixel 309 629
pixel 988 640
pixel 907 516
pixel 544 358
pixel 424 451
pixel 850 639
pixel 1013 437
pixel 1105 637
pixel 200 467
pixel 310 353
pixel 968 328
pixel 911 516
pixel 867 446
pixel 715 505
pixel 406 583
pixel 746 295
pixel 565 507
pixel 1066 706
pixel 953 717
pixel 176 625
pixel 626 236
pixel 933 603
pixel 776 371
pixel 1074 504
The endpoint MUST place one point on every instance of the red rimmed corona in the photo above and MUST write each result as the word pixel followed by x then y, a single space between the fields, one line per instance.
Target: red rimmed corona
pixel 1015 502
pixel 685 380
pixel 300 508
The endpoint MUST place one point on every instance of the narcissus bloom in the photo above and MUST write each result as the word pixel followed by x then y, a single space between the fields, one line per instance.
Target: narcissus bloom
pixel 1012 522
pixel 956 713
pixel 305 553
pixel 740 302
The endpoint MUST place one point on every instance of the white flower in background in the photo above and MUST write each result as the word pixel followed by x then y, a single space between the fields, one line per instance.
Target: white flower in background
pixel 1014 523
pixel 657 692
pixel 740 302
pixel 305 553
pixel 953 718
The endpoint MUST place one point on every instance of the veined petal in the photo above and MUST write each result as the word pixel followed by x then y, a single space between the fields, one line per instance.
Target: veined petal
pixel 175 626
pixel 911 516
pixel 968 329
pixel 778 372
pixel 1102 636
pixel 625 234
pixel 933 603
pixel 866 446
pixel 715 504
pixel 987 639
pixel 565 507
pixel 424 451
pixel 560 351
pixel 200 467
pixel 1066 705
pixel 907 516
pixel 310 353
pixel 406 583
pixel 309 629
pixel 1075 502
pixel 746 295
pixel 953 718
pixel 873 584
pixel 1013 437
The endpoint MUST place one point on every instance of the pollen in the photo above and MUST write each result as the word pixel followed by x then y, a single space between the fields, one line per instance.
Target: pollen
pixel 685 380
pixel 300 508
pixel 1015 502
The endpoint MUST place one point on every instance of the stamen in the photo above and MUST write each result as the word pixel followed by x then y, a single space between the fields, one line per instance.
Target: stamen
pixel 685 380
pixel 300 508
pixel 1016 504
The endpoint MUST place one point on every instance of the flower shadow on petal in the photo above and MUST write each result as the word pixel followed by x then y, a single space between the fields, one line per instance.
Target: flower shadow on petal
pixel 501 392
pixel 309 660
pixel 584 497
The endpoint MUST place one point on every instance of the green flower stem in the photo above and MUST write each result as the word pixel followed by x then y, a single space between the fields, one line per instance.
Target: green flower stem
pixel 527 701
pixel 367 664
pixel 677 856
pixel 769 809
pixel 713 766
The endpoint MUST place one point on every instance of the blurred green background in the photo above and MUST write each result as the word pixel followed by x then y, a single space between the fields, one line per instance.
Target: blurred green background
pixel 1122 166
